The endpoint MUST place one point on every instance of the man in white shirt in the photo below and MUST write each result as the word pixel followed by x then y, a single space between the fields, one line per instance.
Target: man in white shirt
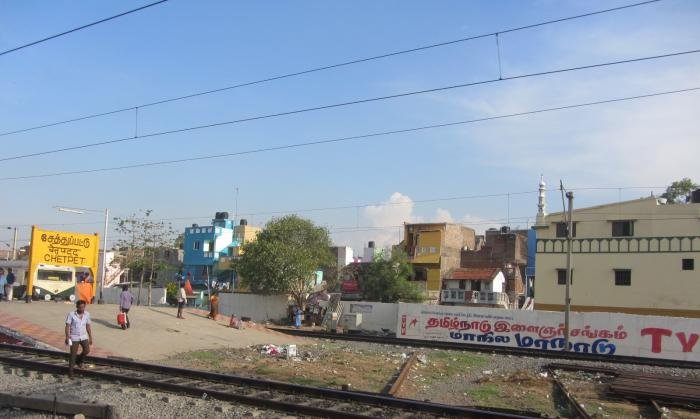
pixel 181 300
pixel 78 333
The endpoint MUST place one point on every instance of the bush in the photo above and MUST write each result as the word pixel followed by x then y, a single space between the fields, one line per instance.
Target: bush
pixel 171 289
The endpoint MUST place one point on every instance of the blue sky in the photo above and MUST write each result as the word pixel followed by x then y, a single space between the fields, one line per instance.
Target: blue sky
pixel 182 47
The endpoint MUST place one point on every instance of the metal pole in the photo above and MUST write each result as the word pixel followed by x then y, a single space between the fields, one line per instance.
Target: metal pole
pixel 104 257
pixel 14 245
pixel 569 235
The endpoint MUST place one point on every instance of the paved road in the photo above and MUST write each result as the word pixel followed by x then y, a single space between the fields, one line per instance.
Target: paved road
pixel 155 333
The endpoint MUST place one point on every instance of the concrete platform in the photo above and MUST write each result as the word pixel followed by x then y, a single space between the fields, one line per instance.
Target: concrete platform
pixel 155 332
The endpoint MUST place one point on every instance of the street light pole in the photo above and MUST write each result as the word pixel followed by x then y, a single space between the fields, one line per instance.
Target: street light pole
pixel 104 257
pixel 14 245
pixel 100 300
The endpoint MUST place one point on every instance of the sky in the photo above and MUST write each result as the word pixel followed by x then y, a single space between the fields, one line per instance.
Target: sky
pixel 482 174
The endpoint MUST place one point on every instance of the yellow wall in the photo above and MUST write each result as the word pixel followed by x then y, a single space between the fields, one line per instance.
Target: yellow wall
pixel 245 233
pixel 428 247
pixel 658 284
pixel 433 283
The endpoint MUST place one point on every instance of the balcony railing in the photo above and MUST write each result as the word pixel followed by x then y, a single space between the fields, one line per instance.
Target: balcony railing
pixel 475 297
pixel 622 245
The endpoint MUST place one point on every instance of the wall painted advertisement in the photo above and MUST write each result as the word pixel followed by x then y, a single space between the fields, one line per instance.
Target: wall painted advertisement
pixel 595 333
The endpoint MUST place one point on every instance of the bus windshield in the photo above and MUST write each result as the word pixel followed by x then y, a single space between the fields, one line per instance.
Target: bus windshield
pixel 54 275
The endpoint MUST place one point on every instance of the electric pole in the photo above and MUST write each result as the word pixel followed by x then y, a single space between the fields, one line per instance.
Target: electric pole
pixel 569 236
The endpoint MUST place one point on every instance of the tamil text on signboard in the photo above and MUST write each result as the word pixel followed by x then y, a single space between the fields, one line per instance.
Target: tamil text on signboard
pixel 595 333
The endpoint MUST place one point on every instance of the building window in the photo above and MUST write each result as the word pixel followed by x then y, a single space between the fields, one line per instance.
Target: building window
pixel 623 228
pixel 623 277
pixel 561 230
pixel 207 246
pixel 197 245
pixel 561 276
pixel 688 264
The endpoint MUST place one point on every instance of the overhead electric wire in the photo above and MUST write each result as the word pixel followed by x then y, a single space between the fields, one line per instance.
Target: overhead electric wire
pixel 342 104
pixel 48 38
pixel 346 139
pixel 340 230
pixel 375 204
pixel 327 67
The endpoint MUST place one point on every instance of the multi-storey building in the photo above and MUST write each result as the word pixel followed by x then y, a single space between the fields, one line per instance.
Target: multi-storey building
pixel 434 250
pixel 505 249
pixel 635 257
pixel 205 245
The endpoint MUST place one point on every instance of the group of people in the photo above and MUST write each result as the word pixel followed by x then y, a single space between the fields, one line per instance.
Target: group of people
pixel 79 333
pixel 182 301
pixel 7 283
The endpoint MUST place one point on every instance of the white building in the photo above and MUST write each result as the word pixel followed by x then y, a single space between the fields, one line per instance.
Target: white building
pixel 634 257
pixel 485 287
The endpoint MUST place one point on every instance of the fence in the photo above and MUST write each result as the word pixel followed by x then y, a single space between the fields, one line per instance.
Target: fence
pixel 375 316
pixel 111 295
pixel 257 307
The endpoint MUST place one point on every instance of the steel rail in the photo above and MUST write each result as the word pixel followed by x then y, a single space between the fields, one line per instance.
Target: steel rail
pixel 398 381
pixel 505 350
pixel 233 388
pixel 570 398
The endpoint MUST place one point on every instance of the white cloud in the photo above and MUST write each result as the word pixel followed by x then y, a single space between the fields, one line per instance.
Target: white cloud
pixel 443 216
pixel 397 210
pixel 383 223
pixel 478 224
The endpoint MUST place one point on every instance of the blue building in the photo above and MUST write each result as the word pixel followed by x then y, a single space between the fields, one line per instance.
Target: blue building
pixel 530 268
pixel 205 245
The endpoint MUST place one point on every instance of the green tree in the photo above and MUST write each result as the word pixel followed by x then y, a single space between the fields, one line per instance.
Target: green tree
pixel 388 279
pixel 679 191
pixel 179 242
pixel 143 241
pixel 284 256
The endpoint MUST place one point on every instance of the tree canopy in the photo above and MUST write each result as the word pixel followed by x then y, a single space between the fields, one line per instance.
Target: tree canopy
pixel 679 191
pixel 387 279
pixel 284 257
pixel 142 239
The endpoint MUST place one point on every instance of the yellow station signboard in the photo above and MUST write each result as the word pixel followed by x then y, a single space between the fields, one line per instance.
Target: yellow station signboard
pixel 62 248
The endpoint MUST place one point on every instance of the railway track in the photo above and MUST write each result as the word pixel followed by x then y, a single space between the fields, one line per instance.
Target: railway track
pixel 505 350
pixel 304 400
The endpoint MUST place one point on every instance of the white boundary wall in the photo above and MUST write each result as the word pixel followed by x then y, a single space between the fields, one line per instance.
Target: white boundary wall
pixel 111 295
pixel 598 333
pixel 375 316
pixel 257 307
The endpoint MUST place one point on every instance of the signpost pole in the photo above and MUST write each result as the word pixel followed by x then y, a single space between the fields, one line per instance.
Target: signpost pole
pixel 29 291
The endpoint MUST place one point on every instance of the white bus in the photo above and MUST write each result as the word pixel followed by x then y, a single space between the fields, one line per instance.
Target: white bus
pixel 51 282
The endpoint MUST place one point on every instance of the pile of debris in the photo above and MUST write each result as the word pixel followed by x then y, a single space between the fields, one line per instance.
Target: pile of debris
pixel 286 351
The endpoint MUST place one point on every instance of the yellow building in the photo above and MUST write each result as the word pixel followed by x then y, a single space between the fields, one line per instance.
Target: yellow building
pixel 242 234
pixel 434 249
pixel 630 257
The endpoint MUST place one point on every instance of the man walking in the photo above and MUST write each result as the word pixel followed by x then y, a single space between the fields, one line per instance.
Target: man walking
pixel 126 299
pixel 78 333
pixel 10 279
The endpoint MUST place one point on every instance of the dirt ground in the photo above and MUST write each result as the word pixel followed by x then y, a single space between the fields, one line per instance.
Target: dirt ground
pixel 328 364
pixel 451 377
pixel 155 333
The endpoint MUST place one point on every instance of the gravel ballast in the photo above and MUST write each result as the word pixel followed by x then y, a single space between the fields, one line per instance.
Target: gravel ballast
pixel 129 401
